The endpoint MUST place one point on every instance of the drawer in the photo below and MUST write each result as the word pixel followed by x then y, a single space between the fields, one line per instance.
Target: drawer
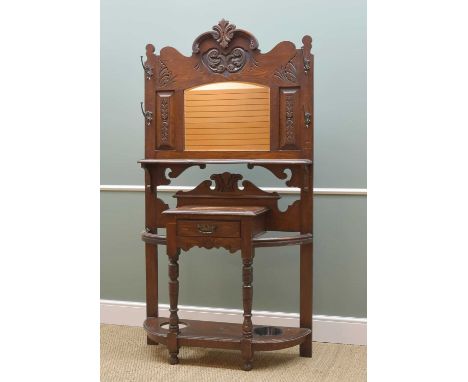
pixel 213 228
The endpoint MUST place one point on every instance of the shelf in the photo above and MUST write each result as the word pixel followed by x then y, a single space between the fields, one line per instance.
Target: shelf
pixel 224 335
pixel 263 240
pixel 208 211
pixel 226 161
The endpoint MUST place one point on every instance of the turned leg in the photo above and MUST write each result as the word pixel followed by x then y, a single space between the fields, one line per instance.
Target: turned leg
pixel 247 294
pixel 173 254
pixel 306 298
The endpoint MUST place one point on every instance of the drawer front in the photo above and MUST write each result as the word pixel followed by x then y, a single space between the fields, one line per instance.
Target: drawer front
pixel 213 228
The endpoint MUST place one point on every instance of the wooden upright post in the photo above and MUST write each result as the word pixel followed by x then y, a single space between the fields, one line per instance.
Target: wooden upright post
pixel 306 262
pixel 151 256
pixel 247 253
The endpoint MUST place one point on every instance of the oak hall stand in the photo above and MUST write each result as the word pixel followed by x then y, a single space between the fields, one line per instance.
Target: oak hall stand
pixel 228 103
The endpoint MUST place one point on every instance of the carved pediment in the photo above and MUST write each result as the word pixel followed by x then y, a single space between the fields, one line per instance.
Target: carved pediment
pixel 225 50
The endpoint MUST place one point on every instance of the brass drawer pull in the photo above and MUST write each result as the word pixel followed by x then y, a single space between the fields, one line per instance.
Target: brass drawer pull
pixel 206 228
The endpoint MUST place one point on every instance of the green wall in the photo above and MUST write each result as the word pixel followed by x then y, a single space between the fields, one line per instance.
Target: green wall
pixel 339 32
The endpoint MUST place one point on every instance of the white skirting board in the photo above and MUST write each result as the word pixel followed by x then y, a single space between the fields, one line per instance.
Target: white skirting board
pixel 342 330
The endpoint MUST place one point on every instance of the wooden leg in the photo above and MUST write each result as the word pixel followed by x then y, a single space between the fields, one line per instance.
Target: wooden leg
pixel 151 255
pixel 306 297
pixel 247 295
pixel 173 253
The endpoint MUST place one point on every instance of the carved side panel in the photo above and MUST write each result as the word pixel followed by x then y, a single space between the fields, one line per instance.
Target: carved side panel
pixel 289 119
pixel 165 139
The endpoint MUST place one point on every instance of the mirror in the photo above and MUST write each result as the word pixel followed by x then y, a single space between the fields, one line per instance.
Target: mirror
pixel 227 116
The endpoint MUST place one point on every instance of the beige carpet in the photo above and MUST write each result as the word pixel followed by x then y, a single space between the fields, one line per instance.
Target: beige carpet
pixel 126 357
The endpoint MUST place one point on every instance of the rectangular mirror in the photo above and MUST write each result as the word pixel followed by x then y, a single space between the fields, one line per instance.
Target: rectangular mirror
pixel 227 116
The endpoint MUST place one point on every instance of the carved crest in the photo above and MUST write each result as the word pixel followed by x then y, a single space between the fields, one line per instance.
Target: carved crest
pixel 223 32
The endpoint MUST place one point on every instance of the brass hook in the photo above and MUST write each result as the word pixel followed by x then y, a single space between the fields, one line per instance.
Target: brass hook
pixel 148 69
pixel 307 118
pixel 147 114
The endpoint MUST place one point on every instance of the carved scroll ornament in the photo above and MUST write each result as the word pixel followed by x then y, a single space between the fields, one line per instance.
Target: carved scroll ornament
pixel 221 63
pixel 226 182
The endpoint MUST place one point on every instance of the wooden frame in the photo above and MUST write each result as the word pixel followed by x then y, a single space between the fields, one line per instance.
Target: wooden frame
pixel 222 55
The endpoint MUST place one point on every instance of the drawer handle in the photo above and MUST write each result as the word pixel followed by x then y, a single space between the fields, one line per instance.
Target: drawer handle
pixel 206 228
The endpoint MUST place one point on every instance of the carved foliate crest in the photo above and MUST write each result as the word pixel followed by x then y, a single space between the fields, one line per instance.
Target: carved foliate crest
pixel 223 32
